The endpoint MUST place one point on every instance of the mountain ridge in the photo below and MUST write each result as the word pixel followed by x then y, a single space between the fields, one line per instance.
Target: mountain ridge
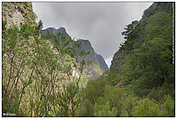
pixel 91 58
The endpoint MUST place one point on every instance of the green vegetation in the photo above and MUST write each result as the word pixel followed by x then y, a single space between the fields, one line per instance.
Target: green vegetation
pixel 143 67
pixel 38 79
pixel 35 74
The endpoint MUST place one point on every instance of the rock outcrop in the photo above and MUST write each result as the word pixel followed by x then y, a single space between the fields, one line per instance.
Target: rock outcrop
pixel 15 13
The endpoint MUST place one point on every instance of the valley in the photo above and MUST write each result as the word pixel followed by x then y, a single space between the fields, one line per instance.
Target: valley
pixel 46 73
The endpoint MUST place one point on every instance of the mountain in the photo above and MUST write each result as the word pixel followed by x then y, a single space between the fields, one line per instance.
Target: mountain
pixel 102 62
pixel 145 61
pixel 51 30
pixel 119 56
pixel 20 13
pixel 92 56
pixel 95 64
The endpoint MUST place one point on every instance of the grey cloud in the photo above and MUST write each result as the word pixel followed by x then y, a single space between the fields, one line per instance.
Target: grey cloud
pixel 100 23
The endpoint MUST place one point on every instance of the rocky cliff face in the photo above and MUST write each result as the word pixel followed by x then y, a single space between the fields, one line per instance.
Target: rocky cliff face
pixel 102 62
pixel 92 56
pixel 15 13
pixel 95 64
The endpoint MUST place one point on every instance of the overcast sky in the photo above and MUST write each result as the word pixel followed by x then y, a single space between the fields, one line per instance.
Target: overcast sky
pixel 100 23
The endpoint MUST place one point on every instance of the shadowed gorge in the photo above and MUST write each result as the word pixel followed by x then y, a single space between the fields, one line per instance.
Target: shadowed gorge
pixel 47 73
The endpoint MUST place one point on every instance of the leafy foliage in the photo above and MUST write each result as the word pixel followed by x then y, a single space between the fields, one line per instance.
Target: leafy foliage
pixel 143 68
pixel 38 76
pixel 34 72
pixel 104 110
pixel 145 107
pixel 169 107
pixel 149 61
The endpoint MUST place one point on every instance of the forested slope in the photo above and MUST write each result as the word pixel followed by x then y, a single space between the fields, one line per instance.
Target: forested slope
pixel 141 78
pixel 147 54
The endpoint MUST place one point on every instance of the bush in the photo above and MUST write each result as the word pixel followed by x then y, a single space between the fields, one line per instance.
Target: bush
pixel 94 89
pixel 146 107
pixel 169 107
pixel 104 110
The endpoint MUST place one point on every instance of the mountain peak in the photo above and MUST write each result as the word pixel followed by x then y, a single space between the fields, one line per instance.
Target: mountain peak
pixel 54 31
pixel 61 29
